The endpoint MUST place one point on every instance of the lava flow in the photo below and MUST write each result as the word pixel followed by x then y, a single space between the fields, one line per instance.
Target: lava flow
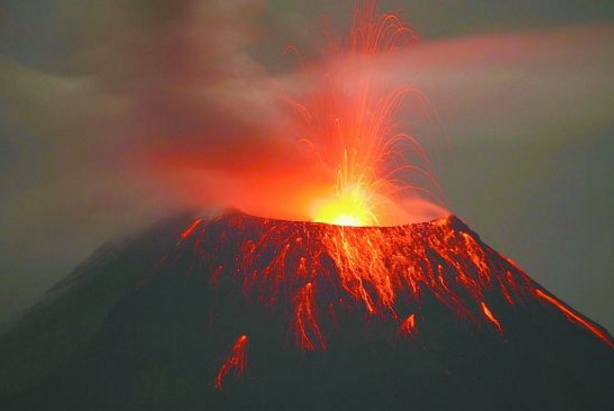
pixel 575 317
pixel 235 363
pixel 326 281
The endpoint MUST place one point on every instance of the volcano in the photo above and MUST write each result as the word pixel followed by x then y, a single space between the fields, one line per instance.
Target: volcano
pixel 242 312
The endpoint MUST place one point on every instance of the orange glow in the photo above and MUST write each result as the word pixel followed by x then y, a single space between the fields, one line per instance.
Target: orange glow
pixel 236 362
pixel 575 317
pixel 490 316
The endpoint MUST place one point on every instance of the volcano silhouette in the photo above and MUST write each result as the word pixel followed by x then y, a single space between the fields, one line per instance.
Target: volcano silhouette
pixel 241 312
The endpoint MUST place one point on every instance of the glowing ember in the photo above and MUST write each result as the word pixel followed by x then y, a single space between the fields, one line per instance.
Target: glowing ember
pixel 235 363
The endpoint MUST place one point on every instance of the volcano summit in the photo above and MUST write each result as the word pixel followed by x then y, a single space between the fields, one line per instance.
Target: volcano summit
pixel 242 312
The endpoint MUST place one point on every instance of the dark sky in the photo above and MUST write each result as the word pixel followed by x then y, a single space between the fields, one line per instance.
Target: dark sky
pixel 523 89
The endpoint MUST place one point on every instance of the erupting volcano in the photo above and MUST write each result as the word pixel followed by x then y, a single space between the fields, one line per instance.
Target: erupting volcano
pixel 370 168
pixel 237 311
pixel 356 306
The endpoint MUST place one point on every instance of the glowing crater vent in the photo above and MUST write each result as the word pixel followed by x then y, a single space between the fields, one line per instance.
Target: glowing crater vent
pixel 349 207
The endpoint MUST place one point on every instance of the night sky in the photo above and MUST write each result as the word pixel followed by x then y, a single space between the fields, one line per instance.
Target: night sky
pixel 523 147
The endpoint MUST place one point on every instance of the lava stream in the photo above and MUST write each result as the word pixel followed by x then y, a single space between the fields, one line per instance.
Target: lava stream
pixel 575 317
pixel 235 363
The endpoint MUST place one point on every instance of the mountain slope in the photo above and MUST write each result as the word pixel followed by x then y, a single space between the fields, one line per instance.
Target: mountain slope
pixel 241 312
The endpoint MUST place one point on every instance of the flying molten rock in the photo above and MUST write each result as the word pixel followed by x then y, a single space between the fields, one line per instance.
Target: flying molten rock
pixel 348 122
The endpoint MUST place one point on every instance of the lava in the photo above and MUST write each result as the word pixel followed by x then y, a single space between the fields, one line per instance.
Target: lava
pixel 305 320
pixel 575 317
pixel 188 231
pixel 323 278
pixel 235 363
pixel 491 317
pixel 408 326
pixel 383 271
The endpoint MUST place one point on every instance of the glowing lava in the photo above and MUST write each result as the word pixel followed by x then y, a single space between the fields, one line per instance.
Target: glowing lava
pixel 491 317
pixel 307 328
pixel 383 272
pixel 575 317
pixel 235 362
pixel 325 280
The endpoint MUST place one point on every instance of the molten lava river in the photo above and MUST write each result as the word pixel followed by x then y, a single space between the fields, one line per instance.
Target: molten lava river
pixel 328 281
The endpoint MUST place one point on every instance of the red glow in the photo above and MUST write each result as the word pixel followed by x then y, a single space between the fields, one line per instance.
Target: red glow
pixel 575 317
pixel 235 363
